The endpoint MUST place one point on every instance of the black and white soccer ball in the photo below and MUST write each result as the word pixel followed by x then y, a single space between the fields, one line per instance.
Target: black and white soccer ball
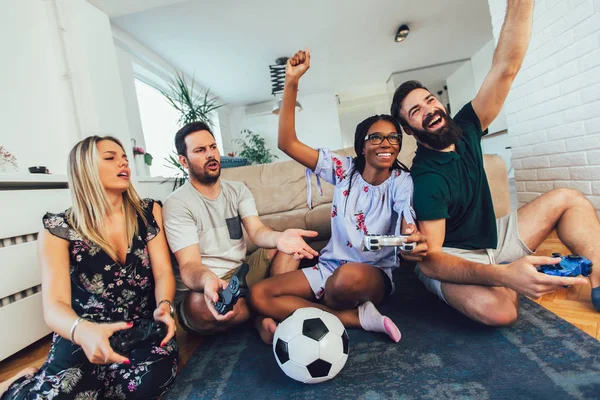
pixel 311 345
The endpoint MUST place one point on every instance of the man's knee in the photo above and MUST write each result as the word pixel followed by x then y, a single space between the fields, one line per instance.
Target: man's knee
pixel 495 311
pixel 568 198
pixel 271 253
pixel 202 320
pixel 195 308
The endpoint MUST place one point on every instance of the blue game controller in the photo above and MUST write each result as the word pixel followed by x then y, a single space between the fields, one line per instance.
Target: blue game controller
pixel 571 265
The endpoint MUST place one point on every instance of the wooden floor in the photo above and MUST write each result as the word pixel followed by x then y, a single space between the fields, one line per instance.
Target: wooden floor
pixel 572 304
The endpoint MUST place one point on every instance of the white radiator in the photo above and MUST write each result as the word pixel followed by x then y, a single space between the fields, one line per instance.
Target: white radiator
pixel 24 199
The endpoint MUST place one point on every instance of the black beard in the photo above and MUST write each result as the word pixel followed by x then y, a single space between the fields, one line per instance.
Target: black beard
pixel 205 177
pixel 443 138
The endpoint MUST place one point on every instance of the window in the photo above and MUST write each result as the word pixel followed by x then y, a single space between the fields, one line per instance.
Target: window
pixel 159 124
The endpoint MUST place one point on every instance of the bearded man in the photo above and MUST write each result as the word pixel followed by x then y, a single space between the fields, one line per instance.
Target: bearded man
pixel 475 263
pixel 203 224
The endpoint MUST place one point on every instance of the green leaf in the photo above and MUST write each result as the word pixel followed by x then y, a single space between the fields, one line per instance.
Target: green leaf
pixel 172 161
pixel 148 159
pixel 254 148
pixel 191 107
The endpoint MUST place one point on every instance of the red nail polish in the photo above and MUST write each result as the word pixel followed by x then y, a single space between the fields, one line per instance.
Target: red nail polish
pixel 126 362
pixel 162 344
pixel 130 323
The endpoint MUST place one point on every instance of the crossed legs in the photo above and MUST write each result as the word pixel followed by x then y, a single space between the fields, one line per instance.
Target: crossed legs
pixel 201 321
pixel 349 285
pixel 578 228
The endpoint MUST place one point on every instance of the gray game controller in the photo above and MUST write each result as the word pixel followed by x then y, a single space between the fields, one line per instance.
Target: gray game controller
pixel 376 242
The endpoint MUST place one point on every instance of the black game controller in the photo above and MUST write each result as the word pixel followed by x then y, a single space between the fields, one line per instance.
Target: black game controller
pixel 236 289
pixel 143 332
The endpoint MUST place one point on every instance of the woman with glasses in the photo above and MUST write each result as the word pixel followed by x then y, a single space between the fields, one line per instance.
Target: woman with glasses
pixel 372 195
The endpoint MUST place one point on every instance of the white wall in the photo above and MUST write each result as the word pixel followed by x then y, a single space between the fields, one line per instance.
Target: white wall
pixel 132 110
pixel 36 107
pixel 553 110
pixel 96 81
pixel 61 83
pixel 353 111
pixel 317 125
pixel 461 87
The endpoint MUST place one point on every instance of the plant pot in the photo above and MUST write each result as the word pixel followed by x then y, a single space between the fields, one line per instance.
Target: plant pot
pixel 141 168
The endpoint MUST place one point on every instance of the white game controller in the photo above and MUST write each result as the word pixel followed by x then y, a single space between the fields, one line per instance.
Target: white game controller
pixel 376 242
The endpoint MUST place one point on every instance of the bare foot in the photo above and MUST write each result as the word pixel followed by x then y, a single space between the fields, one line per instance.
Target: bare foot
pixel 266 328
pixel 26 371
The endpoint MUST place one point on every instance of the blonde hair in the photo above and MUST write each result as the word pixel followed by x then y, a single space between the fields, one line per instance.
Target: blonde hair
pixel 91 205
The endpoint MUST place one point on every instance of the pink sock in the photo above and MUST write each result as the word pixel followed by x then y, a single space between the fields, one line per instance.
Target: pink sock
pixel 372 320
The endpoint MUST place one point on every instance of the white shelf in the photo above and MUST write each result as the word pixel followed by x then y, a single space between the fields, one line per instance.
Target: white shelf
pixel 26 180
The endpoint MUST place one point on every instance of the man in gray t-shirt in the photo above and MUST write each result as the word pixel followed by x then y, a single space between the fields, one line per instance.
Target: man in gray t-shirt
pixel 203 223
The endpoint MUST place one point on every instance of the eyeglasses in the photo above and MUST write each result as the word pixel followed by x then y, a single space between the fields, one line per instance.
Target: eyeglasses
pixel 377 138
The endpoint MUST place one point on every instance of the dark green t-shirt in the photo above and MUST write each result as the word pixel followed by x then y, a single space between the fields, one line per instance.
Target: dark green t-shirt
pixel 453 185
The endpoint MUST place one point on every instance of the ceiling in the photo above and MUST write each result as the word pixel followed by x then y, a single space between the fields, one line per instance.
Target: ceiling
pixel 227 45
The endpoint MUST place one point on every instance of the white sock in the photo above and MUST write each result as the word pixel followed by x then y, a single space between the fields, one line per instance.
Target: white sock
pixel 372 320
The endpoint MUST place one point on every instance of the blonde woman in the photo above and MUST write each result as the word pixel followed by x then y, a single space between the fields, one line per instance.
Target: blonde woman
pixel 105 264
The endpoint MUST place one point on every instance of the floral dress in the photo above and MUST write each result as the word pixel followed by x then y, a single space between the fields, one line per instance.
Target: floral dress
pixel 103 290
pixel 357 210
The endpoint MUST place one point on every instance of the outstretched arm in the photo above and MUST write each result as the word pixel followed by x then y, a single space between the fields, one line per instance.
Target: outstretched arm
pixel 520 276
pixel 287 140
pixel 508 57
pixel 289 241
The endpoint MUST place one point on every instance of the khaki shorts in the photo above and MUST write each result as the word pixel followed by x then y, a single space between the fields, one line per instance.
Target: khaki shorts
pixel 510 248
pixel 259 264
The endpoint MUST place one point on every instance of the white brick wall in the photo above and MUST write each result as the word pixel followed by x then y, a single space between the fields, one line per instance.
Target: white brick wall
pixel 553 110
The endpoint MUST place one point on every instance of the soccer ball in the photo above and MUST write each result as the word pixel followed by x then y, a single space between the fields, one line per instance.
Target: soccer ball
pixel 311 345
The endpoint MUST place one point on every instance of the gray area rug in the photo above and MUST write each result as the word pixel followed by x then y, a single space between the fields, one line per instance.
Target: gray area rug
pixel 442 355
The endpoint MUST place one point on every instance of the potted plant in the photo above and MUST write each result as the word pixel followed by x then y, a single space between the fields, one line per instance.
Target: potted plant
pixel 192 107
pixel 254 148
pixel 141 159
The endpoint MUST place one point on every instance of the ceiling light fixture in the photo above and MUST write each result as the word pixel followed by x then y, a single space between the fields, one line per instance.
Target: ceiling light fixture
pixel 277 107
pixel 277 72
pixel 402 33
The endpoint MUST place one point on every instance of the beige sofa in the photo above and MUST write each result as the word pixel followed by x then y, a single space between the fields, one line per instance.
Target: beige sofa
pixel 280 193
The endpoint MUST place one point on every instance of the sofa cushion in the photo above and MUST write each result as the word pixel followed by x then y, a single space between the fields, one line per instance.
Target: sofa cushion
pixel 319 219
pixel 276 187
pixel 284 220
pixel 280 222
pixel 497 175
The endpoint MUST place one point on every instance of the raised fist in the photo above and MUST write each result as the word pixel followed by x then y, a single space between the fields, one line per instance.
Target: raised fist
pixel 297 65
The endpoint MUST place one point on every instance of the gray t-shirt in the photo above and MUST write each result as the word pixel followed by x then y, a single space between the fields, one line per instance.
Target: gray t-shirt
pixel 214 225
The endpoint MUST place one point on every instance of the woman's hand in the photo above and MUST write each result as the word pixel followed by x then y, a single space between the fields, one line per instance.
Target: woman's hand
pixel 93 339
pixel 163 314
pixel 420 250
pixel 297 65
